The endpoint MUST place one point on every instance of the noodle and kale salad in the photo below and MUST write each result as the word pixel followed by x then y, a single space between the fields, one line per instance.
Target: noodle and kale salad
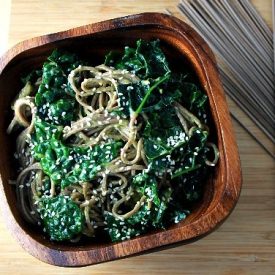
pixel 120 148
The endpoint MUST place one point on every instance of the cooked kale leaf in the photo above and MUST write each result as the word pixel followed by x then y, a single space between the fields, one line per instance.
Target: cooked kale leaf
pixel 150 214
pixel 146 60
pixel 68 165
pixel 32 76
pixel 144 96
pixel 62 218
pixel 54 99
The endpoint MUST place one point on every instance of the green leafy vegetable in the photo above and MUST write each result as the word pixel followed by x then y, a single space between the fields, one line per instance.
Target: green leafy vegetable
pixel 148 93
pixel 146 184
pixel 195 100
pixel 138 97
pixel 32 76
pixel 68 165
pixel 54 99
pixel 62 218
pixel 121 230
pixel 146 60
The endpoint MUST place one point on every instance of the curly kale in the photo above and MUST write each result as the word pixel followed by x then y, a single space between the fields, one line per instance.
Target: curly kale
pixel 62 218
pixel 147 60
pixel 55 99
pixel 68 165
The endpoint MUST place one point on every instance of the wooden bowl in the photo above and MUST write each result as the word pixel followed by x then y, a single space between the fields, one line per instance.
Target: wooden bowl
pixel 180 43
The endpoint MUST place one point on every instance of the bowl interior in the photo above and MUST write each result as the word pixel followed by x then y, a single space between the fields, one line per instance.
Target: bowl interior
pixel 92 48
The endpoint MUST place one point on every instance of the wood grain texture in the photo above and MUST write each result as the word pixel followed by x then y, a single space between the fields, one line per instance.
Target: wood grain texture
pixel 245 244
pixel 4 23
pixel 184 48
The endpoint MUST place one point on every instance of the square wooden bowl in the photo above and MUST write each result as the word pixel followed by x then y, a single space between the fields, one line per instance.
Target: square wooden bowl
pixel 184 47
